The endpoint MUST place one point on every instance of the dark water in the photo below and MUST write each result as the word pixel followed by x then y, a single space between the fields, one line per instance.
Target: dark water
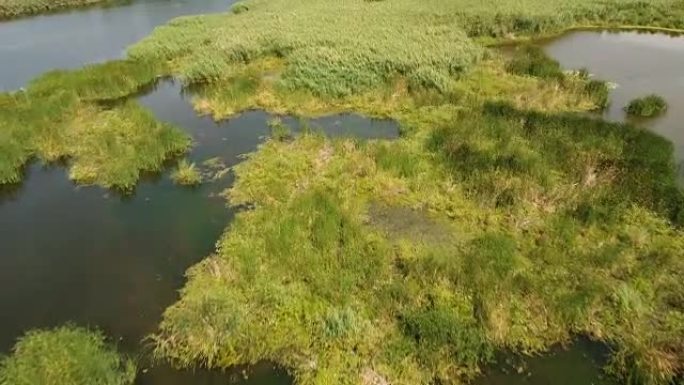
pixel 97 258
pixel 639 64
pixel 31 46
pixel 580 364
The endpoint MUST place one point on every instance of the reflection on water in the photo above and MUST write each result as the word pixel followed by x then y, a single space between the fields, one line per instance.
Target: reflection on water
pixel 639 64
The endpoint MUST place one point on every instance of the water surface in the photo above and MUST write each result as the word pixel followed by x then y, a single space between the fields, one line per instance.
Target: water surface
pixel 639 64
pixel 31 46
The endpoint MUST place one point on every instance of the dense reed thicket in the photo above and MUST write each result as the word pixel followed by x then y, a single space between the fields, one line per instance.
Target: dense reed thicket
pixel 66 355
pixel 15 8
pixel 424 42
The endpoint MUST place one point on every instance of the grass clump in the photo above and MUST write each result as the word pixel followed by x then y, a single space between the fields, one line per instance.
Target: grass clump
pixel 530 60
pixel 279 130
pixel 186 174
pixel 112 147
pixel 61 116
pixel 10 9
pixel 239 7
pixel 647 107
pixel 66 355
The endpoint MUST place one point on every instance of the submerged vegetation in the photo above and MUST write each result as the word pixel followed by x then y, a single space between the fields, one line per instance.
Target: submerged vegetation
pixel 15 8
pixel 66 355
pixel 647 107
pixel 547 223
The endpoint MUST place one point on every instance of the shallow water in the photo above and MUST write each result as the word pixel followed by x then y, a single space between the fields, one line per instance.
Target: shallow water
pixel 34 45
pixel 639 64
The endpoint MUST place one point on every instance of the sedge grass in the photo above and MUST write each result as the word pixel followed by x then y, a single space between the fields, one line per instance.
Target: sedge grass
pixel 186 174
pixel 66 355
pixel 647 107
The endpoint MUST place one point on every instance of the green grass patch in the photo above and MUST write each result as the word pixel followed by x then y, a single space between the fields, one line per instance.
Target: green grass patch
pixel 554 224
pixel 10 9
pixel 186 174
pixel 105 146
pixel 66 355
pixel 61 116
pixel 647 107
pixel 98 82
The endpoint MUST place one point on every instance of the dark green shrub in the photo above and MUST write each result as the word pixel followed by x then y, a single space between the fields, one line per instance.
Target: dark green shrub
pixel 647 107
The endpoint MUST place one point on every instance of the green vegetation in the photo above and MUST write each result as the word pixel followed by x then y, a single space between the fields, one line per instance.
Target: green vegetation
pixel 647 107
pixel 15 8
pixel 62 115
pixel 556 224
pixel 239 7
pixel 531 60
pixel 546 223
pixel 186 174
pixel 560 226
pixel 65 356
pixel 279 130
pixel 426 43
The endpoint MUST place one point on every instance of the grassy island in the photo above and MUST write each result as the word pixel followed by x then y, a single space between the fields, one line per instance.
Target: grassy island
pixel 531 222
pixel 647 107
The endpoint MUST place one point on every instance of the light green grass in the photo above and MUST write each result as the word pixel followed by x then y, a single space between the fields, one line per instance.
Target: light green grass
pixel 66 355
pixel 63 115
pixel 10 9
pixel 425 42
pixel 105 146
